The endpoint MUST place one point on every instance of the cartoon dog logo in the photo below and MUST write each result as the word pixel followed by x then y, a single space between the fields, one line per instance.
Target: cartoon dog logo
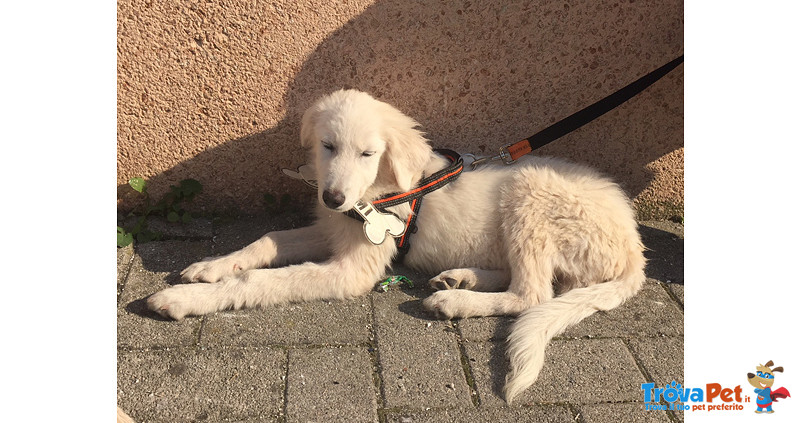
pixel 763 380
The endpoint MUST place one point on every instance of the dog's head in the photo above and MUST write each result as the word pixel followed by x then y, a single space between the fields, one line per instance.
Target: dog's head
pixel 765 376
pixel 361 148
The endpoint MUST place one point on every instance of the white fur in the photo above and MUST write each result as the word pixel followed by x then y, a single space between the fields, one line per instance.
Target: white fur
pixel 544 239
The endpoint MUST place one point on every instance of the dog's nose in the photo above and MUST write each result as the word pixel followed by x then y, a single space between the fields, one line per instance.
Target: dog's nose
pixel 332 198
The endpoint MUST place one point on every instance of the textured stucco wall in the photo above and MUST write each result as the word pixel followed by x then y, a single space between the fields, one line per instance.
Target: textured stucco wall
pixel 214 90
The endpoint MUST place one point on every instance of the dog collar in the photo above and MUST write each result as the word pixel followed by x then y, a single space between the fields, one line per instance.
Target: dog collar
pixel 377 220
pixel 363 212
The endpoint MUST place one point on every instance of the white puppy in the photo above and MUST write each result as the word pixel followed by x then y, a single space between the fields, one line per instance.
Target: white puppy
pixel 547 240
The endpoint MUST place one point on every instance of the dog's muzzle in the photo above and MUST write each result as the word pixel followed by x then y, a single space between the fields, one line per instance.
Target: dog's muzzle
pixel 332 198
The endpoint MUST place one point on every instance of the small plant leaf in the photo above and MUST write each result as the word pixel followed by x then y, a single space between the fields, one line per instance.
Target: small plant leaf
pixel 138 184
pixel 169 206
pixel 124 239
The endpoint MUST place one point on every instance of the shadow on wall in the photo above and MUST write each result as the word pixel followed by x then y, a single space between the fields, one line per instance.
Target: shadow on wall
pixel 476 77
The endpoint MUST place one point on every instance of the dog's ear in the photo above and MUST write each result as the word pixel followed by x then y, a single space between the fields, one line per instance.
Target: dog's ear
pixel 407 150
pixel 768 364
pixel 307 126
pixel 777 369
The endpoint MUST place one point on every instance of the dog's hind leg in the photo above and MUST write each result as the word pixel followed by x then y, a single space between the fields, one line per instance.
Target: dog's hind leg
pixel 531 251
pixel 473 279
pixel 530 284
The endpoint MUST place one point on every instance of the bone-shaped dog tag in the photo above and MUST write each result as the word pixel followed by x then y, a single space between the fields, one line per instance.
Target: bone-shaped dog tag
pixel 305 172
pixel 377 224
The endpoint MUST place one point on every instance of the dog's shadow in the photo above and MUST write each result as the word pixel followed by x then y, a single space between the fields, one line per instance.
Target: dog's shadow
pixel 139 308
pixel 664 251
pixel 414 307
pixel 498 361
pixel 169 257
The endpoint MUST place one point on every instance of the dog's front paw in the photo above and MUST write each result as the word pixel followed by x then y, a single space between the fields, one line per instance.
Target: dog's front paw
pixel 441 305
pixel 211 269
pixel 454 279
pixel 180 301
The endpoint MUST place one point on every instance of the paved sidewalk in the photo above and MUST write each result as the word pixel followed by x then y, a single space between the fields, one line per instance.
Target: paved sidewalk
pixel 381 357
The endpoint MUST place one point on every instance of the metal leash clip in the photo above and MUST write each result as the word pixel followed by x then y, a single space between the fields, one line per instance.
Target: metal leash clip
pixel 473 161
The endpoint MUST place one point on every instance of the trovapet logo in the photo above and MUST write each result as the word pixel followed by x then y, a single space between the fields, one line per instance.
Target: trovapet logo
pixel 715 397
pixel 692 399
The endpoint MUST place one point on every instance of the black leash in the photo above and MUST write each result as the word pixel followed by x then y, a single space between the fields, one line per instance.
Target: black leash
pixel 510 153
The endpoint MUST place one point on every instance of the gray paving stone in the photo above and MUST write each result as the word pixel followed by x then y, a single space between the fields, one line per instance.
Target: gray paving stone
pixel 317 322
pixel 233 366
pixel 662 358
pixel 591 371
pixel 485 328
pixel 651 312
pixel 679 415
pixel 124 262
pixel 185 386
pixel 154 267
pixel 615 413
pixel 677 290
pixel 576 371
pixel 489 367
pixel 676 229
pixel 331 385
pixel 419 358
pixel 460 415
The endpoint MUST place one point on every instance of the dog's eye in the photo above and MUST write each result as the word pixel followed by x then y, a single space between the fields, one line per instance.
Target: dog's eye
pixel 367 153
pixel 328 146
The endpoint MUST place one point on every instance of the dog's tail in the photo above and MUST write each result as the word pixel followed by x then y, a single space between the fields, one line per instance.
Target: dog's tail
pixel 535 327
